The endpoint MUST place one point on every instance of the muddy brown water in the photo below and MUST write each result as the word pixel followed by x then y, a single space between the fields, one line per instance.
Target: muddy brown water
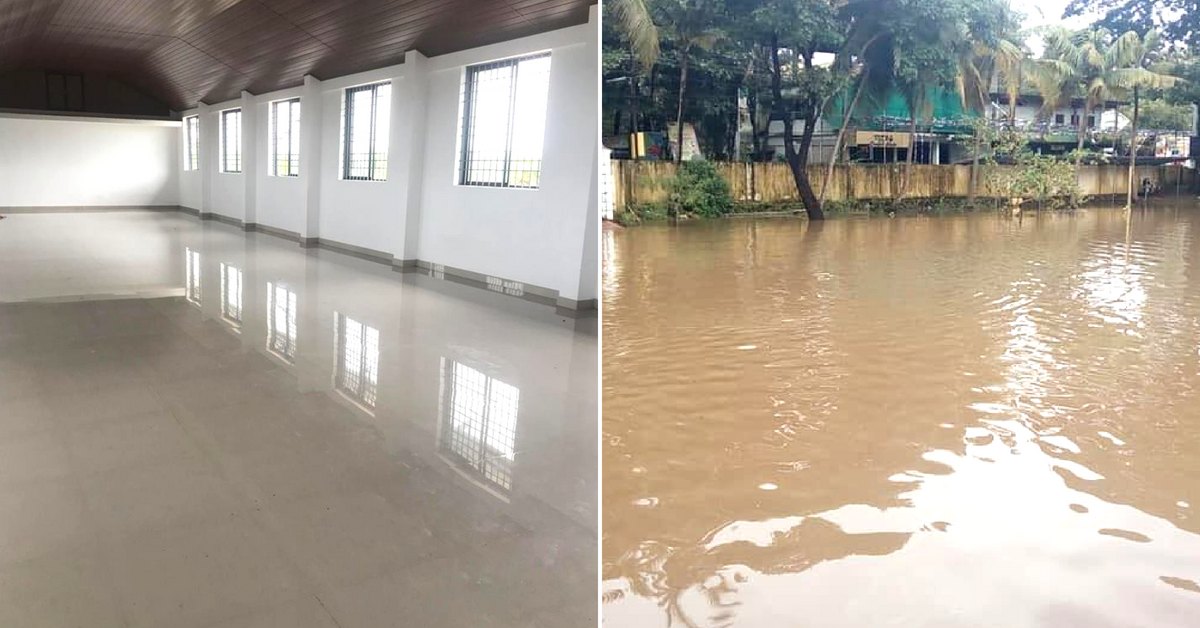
pixel 921 421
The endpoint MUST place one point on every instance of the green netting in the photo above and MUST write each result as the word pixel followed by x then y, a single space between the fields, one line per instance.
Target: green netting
pixel 944 113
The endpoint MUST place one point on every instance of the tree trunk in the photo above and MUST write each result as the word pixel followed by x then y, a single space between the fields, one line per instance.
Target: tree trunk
pixel 912 149
pixel 1087 108
pixel 974 172
pixel 683 76
pixel 841 134
pixel 634 82
pixel 1133 146
pixel 797 161
pixel 1012 101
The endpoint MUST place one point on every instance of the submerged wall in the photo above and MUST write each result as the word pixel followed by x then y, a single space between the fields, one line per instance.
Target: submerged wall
pixel 648 181
pixel 58 161
pixel 539 238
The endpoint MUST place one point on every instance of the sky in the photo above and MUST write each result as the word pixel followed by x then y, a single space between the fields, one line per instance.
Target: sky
pixel 1044 13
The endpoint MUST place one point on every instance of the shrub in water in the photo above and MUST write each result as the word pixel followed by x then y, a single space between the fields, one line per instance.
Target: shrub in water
pixel 699 189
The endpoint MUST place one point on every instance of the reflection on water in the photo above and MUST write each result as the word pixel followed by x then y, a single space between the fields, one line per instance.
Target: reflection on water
pixel 942 421
pixel 281 322
pixel 357 372
pixel 479 424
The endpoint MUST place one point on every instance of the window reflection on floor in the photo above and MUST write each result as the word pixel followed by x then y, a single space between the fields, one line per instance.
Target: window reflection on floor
pixel 281 322
pixel 192 275
pixel 479 424
pixel 231 295
pixel 357 373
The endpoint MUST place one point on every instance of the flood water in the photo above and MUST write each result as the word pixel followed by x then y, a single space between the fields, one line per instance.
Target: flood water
pixel 919 421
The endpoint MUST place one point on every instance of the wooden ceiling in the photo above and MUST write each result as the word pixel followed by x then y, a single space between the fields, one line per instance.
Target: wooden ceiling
pixel 189 51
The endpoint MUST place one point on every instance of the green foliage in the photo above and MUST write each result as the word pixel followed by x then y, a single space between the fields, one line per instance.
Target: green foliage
pixel 699 189
pixel 1159 115
pixel 1049 180
pixel 637 213
pixel 1179 19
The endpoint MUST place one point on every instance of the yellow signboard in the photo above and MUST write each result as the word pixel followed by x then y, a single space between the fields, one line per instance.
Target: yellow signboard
pixel 885 139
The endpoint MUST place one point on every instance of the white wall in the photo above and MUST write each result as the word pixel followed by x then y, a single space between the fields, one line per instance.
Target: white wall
pixel 539 237
pixel 532 236
pixel 280 200
pixel 48 161
pixel 228 188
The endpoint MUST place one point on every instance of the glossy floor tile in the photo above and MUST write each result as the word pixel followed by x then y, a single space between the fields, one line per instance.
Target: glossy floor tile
pixel 203 428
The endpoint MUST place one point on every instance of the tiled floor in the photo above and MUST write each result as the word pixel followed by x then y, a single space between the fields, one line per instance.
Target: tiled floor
pixel 231 431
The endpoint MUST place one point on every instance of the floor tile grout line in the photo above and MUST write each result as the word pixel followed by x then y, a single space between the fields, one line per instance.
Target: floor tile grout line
pixel 324 608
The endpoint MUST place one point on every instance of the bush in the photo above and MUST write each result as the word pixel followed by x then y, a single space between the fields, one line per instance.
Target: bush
pixel 638 213
pixel 699 189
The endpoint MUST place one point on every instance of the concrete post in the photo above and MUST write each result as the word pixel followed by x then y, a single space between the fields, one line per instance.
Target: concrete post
pixel 250 157
pixel 408 146
pixel 208 156
pixel 310 158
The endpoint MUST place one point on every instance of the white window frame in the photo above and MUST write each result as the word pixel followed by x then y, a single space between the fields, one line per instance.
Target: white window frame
pixel 191 143
pixel 223 131
pixel 374 136
pixel 293 132
pixel 466 119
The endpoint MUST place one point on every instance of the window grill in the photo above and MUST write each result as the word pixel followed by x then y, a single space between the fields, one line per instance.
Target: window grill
pixel 285 138
pixel 281 322
pixel 365 126
pixel 231 295
pixel 481 433
pixel 231 140
pixel 192 275
pixel 504 122
pixel 191 137
pixel 357 373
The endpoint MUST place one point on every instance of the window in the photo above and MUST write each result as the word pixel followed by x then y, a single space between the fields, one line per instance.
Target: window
pixel 191 143
pixel 231 140
pixel 357 372
pixel 285 138
pixel 366 114
pixel 192 275
pixel 480 430
pixel 1074 119
pixel 504 122
pixel 1091 122
pixel 281 322
pixel 64 92
pixel 231 295
pixel 1058 118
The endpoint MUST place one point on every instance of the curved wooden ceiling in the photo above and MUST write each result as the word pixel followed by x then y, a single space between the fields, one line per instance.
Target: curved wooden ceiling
pixel 187 51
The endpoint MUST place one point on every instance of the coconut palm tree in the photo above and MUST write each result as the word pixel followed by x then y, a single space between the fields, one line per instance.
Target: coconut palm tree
pixel 639 29
pixel 1078 64
pixel 1003 59
pixel 1135 52
pixel 637 25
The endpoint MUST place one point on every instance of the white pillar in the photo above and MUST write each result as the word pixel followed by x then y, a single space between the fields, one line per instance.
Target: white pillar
pixel 410 96
pixel 249 157
pixel 580 283
pixel 208 155
pixel 310 157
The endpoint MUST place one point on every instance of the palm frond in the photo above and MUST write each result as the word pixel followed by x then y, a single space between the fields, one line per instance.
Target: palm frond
pixel 706 40
pixel 639 28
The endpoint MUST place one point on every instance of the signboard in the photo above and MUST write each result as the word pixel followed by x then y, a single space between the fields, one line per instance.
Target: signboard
pixel 649 145
pixel 884 139
pixel 1172 145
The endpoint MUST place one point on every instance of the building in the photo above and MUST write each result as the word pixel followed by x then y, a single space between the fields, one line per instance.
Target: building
pixel 297 313
pixel 879 131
